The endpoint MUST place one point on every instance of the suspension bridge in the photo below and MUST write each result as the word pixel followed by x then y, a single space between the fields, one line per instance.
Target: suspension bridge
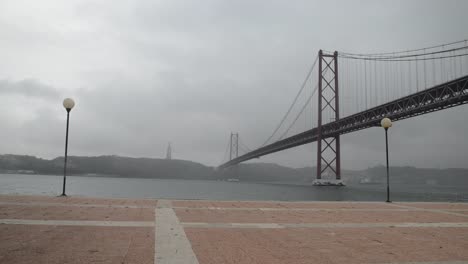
pixel 364 88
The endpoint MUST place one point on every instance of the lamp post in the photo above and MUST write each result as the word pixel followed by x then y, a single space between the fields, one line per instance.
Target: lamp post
pixel 386 123
pixel 68 103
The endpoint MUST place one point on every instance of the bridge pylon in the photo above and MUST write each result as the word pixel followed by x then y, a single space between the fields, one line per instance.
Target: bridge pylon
pixel 234 146
pixel 328 146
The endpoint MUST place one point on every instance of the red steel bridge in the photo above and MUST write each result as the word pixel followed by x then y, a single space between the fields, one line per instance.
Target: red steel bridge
pixel 365 88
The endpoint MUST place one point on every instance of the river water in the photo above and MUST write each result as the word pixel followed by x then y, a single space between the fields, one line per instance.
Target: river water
pixel 220 190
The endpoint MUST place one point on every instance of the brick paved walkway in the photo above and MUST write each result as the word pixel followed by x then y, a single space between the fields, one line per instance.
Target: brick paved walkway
pixel 39 229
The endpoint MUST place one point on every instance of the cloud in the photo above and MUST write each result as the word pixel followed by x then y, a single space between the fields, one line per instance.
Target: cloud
pixel 144 73
pixel 28 88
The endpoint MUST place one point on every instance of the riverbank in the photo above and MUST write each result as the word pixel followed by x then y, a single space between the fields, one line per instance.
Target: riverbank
pixel 45 229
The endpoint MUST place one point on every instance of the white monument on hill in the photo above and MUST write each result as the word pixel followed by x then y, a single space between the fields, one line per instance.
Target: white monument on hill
pixel 169 152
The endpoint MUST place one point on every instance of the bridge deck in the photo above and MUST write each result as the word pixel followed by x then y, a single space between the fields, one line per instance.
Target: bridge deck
pixel 85 230
pixel 439 97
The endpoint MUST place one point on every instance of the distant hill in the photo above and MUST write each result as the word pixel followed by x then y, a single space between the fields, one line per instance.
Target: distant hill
pixel 117 166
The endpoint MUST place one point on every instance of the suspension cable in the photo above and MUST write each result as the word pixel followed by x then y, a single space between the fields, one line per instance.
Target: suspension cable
pixel 226 152
pixel 293 103
pixel 241 143
pixel 405 51
pixel 300 112
pixel 410 57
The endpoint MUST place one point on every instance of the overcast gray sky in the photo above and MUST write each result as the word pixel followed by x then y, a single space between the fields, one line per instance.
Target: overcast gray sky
pixel 144 73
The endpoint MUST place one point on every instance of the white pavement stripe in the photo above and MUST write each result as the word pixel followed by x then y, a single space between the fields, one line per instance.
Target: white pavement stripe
pixel 320 225
pixel 77 223
pixel 431 262
pixel 286 202
pixel 164 204
pixel 441 211
pixel 281 203
pixel 297 209
pixel 171 244
pixel 44 204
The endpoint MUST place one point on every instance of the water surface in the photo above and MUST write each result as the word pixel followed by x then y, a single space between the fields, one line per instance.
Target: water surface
pixel 220 190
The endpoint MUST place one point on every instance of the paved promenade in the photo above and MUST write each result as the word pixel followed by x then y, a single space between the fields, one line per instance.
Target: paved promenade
pixel 39 229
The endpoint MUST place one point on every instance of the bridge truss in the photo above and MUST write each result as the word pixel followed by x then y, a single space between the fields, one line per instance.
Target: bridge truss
pixel 439 97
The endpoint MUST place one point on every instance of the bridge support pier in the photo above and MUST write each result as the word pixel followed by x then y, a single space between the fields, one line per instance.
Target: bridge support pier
pixel 328 146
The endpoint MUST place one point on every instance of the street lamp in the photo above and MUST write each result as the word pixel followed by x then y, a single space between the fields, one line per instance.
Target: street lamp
pixel 386 123
pixel 68 103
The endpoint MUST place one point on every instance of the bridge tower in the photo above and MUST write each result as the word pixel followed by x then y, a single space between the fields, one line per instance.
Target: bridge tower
pixel 234 146
pixel 328 146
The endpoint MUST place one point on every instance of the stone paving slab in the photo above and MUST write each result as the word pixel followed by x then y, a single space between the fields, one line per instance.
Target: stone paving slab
pixel 172 245
pixel 328 245
pixel 75 213
pixel 59 244
pixel 259 216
